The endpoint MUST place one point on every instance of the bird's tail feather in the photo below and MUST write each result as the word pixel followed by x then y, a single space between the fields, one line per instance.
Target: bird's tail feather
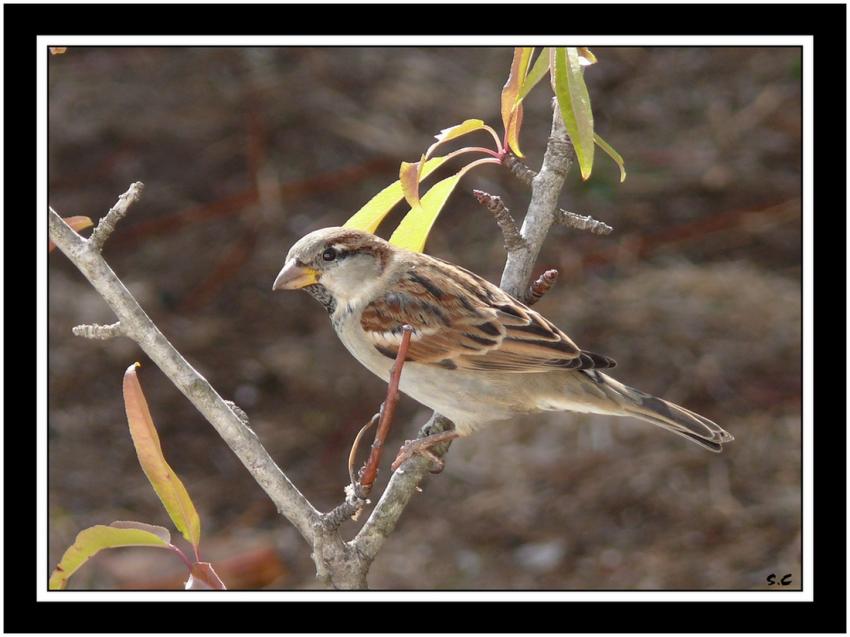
pixel 665 414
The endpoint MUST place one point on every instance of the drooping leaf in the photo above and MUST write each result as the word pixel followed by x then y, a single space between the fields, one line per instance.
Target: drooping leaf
pixel 96 538
pixel 453 132
pixel 538 70
pixel 408 175
pixel 613 154
pixel 574 103
pixel 519 67
pixel 77 223
pixel 370 216
pixel 165 482
pixel 586 57
pixel 510 104
pixel 412 232
pixel 203 577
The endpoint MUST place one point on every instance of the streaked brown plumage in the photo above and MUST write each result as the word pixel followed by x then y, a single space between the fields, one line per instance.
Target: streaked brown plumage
pixel 476 354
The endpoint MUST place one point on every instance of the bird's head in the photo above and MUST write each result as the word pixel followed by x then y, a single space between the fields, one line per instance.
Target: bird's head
pixel 344 261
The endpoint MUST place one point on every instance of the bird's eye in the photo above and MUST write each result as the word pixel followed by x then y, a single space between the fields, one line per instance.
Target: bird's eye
pixel 329 254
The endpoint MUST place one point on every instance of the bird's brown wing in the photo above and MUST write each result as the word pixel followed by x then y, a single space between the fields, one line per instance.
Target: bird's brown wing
pixel 462 321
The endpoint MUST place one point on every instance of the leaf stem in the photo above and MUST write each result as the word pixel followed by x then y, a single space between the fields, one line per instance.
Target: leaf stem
pixel 495 135
pixel 181 555
pixel 473 149
pixel 486 160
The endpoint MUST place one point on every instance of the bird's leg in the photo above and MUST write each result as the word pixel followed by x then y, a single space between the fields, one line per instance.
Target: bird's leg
pixel 422 447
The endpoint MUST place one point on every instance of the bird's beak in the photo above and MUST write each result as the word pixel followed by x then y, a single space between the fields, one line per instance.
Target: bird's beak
pixel 294 276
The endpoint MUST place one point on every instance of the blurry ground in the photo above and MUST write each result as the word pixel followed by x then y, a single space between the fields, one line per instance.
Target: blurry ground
pixel 696 295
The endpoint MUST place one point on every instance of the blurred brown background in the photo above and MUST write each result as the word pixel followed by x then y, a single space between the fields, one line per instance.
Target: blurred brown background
pixel 696 294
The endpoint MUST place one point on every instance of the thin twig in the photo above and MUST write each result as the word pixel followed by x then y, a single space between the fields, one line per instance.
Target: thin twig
pixel 510 232
pixel 519 169
pixel 541 286
pixel 107 224
pixel 545 189
pixel 98 332
pixel 136 325
pixel 573 220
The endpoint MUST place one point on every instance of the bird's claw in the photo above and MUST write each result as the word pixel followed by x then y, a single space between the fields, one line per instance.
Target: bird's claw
pixel 422 447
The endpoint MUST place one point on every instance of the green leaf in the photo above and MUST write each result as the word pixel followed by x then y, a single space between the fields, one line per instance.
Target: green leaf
pixel 453 132
pixel 538 70
pixel 574 102
pixel 370 216
pixel 613 154
pixel 96 538
pixel 165 482
pixel 412 232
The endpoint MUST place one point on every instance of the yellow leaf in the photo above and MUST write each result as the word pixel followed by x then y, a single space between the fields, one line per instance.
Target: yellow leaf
pixel 96 538
pixel 370 216
pixel 58 50
pixel 165 482
pixel 413 231
pixel 452 132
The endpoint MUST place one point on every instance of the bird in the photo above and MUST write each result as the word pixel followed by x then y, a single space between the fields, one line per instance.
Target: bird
pixel 476 354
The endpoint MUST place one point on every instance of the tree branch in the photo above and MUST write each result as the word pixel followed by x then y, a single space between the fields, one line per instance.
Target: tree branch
pixel 135 324
pixel 579 222
pixel 546 187
pixel 98 332
pixel 496 207
pixel 339 564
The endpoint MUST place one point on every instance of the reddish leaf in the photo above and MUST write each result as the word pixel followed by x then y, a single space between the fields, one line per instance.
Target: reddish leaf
pixel 203 577
pixel 511 107
pixel 519 67
pixel 409 177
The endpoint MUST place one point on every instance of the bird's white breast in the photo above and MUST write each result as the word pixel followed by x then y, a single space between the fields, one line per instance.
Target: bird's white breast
pixel 468 400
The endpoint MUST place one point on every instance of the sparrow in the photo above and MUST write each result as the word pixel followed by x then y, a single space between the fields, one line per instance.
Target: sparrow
pixel 476 355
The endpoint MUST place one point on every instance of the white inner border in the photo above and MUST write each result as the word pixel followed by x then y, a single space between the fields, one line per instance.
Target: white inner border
pixel 42 594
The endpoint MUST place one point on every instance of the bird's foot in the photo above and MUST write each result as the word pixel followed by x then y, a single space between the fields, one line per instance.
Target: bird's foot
pixel 422 447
